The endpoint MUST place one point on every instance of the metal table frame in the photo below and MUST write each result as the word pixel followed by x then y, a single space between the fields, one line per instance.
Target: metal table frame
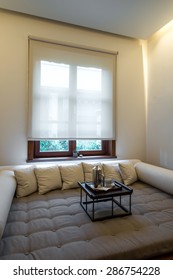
pixel 115 196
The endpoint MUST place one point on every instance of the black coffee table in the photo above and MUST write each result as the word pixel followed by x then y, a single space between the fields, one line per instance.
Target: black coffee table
pixel 90 196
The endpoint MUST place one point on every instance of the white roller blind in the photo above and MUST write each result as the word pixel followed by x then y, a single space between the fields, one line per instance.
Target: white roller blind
pixel 71 92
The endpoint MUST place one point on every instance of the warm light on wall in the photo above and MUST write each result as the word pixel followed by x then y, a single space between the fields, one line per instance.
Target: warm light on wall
pixel 145 69
pixel 164 29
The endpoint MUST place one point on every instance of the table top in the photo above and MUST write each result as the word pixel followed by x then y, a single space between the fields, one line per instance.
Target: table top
pixel 119 189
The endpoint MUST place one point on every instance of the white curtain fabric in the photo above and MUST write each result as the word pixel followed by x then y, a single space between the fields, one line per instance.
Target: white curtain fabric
pixel 71 92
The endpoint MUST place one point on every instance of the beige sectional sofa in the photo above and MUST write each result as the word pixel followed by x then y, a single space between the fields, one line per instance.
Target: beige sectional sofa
pixel 41 216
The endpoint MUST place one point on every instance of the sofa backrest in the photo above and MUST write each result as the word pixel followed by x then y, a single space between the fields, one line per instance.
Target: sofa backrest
pixel 7 190
pixel 155 176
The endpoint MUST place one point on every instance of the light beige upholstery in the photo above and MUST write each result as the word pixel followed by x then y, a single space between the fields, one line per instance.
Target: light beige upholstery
pixel 26 181
pixel 7 190
pixel 88 170
pixel 156 176
pixel 70 175
pixel 48 178
pixel 111 171
pixel 128 173
pixel 55 226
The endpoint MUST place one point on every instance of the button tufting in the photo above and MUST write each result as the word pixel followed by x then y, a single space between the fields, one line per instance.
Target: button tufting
pixel 146 216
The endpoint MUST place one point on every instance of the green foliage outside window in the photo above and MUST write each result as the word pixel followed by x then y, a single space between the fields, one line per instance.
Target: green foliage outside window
pixel 63 145
pixel 54 145
pixel 88 145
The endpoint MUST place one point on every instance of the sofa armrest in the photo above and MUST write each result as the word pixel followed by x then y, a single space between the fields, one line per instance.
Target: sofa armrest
pixel 7 190
pixel 155 176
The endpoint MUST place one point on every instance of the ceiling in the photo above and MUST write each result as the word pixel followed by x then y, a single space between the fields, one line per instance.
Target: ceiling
pixel 132 18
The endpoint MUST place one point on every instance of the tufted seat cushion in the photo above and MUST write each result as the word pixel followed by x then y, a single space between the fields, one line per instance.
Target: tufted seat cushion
pixel 54 226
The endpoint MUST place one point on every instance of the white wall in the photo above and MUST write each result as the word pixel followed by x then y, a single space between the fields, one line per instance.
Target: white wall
pixel 130 99
pixel 160 98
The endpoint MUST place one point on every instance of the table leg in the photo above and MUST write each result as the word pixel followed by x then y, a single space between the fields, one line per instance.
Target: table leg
pixel 80 195
pixel 112 206
pixel 93 211
pixel 129 203
pixel 86 201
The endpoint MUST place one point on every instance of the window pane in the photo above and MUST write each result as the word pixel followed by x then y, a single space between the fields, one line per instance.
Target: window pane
pixel 54 74
pixel 54 145
pixel 89 145
pixel 89 78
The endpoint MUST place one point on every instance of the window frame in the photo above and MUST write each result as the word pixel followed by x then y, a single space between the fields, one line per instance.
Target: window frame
pixel 108 150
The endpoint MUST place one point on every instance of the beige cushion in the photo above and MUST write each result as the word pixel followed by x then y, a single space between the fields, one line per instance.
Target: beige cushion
pixel 88 170
pixel 71 175
pixel 48 178
pixel 26 181
pixel 111 171
pixel 128 173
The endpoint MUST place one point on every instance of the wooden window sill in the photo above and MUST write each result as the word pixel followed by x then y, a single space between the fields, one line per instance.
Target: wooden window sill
pixel 83 158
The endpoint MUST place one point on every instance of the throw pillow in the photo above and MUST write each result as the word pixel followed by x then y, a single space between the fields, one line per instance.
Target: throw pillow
pixel 26 181
pixel 88 171
pixel 128 173
pixel 71 174
pixel 48 179
pixel 111 171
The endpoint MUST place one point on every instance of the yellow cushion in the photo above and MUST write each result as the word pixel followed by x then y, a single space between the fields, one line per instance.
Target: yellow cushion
pixel 88 170
pixel 26 181
pixel 111 171
pixel 71 174
pixel 48 179
pixel 128 173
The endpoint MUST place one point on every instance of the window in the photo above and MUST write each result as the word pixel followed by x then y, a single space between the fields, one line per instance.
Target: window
pixel 65 148
pixel 71 97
